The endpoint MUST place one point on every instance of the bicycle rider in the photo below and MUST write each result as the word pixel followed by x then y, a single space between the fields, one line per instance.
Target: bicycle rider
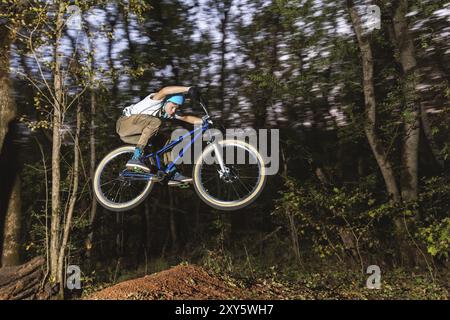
pixel 141 121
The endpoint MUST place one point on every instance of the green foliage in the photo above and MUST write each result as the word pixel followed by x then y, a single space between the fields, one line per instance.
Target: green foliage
pixel 434 227
pixel 437 237
pixel 333 221
pixel 344 221
pixel 325 282
pixel 218 262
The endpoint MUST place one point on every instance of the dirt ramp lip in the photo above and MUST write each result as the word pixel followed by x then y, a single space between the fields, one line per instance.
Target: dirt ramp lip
pixel 183 282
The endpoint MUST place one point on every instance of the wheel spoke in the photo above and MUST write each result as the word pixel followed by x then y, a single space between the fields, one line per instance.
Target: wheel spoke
pixel 104 184
pixel 110 189
pixel 247 177
pixel 209 179
pixel 244 185
pixel 237 193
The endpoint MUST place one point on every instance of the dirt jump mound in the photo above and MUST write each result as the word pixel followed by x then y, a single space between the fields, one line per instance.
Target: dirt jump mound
pixel 180 282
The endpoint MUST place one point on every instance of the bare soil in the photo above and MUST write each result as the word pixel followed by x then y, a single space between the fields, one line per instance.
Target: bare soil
pixel 182 282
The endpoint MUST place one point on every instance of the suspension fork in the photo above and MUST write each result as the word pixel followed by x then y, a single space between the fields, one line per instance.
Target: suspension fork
pixel 219 156
pixel 217 150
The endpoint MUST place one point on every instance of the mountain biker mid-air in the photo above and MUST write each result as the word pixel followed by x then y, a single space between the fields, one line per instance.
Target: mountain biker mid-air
pixel 141 121
pixel 223 183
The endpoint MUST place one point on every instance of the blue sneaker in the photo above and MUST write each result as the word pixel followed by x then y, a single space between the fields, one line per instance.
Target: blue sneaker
pixel 178 178
pixel 136 163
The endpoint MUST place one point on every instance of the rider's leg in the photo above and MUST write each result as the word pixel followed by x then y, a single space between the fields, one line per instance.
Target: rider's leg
pixel 137 129
pixel 151 128
pixel 175 176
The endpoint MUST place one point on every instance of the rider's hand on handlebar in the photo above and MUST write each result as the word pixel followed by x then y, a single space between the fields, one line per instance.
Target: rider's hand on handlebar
pixel 206 119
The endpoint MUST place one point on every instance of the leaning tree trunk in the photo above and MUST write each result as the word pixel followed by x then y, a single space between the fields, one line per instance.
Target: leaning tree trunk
pixel 10 210
pixel 370 106
pixel 25 281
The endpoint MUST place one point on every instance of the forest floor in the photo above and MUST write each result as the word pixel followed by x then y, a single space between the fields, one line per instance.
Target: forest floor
pixel 186 281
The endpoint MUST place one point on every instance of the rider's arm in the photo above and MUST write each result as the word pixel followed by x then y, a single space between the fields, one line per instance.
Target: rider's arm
pixel 170 90
pixel 190 119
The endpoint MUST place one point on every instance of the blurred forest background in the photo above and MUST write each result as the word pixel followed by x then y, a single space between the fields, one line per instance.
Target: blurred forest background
pixel 363 115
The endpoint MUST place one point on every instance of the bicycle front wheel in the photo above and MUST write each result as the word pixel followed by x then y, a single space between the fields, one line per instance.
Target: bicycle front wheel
pixel 239 185
pixel 117 189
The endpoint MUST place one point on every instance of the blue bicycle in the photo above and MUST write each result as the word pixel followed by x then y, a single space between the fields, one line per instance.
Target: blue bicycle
pixel 219 178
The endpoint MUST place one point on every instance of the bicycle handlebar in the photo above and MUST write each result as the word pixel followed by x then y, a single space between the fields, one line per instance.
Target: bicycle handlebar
pixel 203 105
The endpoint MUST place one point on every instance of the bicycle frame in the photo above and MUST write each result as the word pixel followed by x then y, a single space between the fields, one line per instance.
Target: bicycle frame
pixel 156 155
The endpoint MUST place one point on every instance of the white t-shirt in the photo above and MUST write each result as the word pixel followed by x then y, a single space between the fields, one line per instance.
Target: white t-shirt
pixel 148 106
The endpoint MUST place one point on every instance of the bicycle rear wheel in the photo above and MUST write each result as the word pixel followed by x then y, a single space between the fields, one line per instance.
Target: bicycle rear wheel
pixel 242 182
pixel 116 188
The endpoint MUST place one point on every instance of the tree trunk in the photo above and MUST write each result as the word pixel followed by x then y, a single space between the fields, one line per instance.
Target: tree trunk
pixel 406 57
pixel 72 201
pixel 370 107
pixel 92 146
pixel 7 105
pixel 12 231
pixel 93 212
pixel 112 21
pixel 56 147
pixel 294 237
pixel 411 114
pixel 409 158
pixel 223 51
pixel 11 207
